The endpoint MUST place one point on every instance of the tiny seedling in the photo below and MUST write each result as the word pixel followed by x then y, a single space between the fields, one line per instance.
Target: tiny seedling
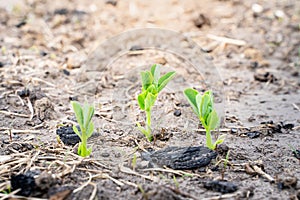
pixel 152 84
pixel 84 116
pixel 176 182
pixel 203 107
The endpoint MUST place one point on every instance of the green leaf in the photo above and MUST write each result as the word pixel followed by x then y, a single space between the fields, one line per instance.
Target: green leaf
pixel 147 79
pixel 198 103
pixel 191 94
pixel 152 89
pixel 141 99
pixel 149 101
pixel 90 130
pixel 204 106
pixel 88 112
pixel 164 80
pixel 155 71
pixel 77 132
pixel 78 112
pixel 220 140
pixel 213 120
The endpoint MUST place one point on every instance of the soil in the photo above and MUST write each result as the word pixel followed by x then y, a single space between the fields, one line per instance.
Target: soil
pixel 54 52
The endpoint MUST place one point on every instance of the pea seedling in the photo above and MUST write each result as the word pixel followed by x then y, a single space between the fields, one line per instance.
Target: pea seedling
pixel 84 116
pixel 152 84
pixel 202 105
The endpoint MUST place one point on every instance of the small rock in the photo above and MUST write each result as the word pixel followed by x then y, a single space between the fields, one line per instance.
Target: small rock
pixel 20 24
pixel 161 60
pixel 136 48
pixel 67 135
pixel 288 126
pixel 287 183
pixel 264 77
pixel 177 112
pixel 43 53
pixel 221 186
pixel 66 72
pixel 105 154
pixel 296 153
pixel 62 11
pixel 254 134
pixel 257 9
pixel 23 93
pixel 201 20
pixel 234 130
pixel 25 182
pixel 279 14
pixel 111 2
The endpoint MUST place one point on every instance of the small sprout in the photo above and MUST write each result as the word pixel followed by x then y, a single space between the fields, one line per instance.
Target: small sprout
pixel 84 116
pixel 176 182
pixel 133 162
pixel 202 106
pixel 152 84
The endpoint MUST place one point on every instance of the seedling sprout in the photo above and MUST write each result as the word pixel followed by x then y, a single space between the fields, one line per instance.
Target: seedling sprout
pixel 202 106
pixel 84 116
pixel 152 84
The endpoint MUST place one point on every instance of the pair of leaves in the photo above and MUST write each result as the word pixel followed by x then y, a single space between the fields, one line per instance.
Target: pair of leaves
pixel 152 84
pixel 147 99
pixel 84 116
pixel 202 106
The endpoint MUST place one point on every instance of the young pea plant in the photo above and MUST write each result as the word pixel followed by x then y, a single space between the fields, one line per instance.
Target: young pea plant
pixel 84 116
pixel 152 84
pixel 202 106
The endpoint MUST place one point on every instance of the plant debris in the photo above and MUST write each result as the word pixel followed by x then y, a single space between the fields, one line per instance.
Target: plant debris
pixel 181 157
pixel 221 186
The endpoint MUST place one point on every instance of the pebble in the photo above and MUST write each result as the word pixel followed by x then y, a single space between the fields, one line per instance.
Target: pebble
pixel 177 112
pixel 256 8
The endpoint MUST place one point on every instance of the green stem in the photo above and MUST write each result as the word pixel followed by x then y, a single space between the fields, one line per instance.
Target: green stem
pixel 209 143
pixel 84 152
pixel 148 125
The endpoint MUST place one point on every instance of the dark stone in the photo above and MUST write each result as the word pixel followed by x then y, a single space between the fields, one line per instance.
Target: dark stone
pixel 177 112
pixel 66 72
pixel 24 93
pixel 265 77
pixel 20 24
pixel 267 122
pixel 234 130
pixel 62 11
pixel 254 134
pixel 181 157
pixel 254 65
pixel 73 98
pixel 25 182
pixel 1 64
pixel 43 53
pixel 287 183
pixel 111 2
pixel 67 135
pixel 201 20
pixel 288 126
pixel 221 186
pixel 136 48
pixel 296 153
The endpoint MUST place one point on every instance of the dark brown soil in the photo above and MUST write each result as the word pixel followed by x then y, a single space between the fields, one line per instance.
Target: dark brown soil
pixel 55 51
